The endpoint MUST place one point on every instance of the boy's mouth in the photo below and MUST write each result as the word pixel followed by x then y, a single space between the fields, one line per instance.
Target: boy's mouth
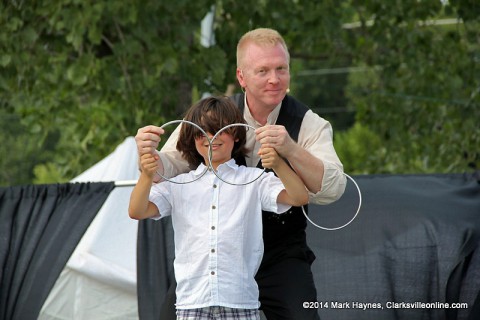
pixel 214 145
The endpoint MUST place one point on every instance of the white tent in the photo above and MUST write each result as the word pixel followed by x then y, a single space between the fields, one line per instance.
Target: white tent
pixel 99 280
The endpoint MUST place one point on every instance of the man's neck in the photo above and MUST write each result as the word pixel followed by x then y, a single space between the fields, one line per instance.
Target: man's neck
pixel 260 113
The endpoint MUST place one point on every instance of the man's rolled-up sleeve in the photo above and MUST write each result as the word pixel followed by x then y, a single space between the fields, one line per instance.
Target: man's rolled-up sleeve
pixel 316 136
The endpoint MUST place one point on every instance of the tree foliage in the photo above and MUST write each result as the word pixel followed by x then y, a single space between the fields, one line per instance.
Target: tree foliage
pixel 77 77
pixel 422 96
pixel 89 72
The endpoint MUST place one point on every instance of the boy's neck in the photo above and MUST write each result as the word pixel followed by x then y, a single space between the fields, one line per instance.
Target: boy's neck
pixel 216 164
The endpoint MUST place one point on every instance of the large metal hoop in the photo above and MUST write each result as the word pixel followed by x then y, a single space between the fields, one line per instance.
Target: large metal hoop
pixel 346 224
pixel 210 154
pixel 203 132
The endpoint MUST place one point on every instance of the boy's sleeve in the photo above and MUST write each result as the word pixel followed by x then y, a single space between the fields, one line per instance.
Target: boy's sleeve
pixel 160 196
pixel 270 187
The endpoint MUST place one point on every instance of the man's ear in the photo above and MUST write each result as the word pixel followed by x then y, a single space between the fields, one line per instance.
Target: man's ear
pixel 240 79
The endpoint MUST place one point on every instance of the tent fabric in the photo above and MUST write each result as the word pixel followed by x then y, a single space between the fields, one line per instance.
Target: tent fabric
pixel 99 279
pixel 40 226
pixel 416 239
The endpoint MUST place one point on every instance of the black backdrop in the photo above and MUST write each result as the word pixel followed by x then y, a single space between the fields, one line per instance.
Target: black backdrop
pixel 416 239
pixel 40 226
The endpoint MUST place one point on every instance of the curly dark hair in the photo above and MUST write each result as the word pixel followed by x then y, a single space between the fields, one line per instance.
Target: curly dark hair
pixel 211 114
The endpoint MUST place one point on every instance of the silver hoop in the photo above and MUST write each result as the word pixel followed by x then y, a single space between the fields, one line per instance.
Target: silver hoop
pixel 346 224
pixel 204 133
pixel 210 154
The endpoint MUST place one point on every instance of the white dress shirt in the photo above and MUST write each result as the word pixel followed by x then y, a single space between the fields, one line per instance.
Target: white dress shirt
pixel 218 233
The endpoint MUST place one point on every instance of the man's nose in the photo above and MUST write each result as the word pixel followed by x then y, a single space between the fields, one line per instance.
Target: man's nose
pixel 273 77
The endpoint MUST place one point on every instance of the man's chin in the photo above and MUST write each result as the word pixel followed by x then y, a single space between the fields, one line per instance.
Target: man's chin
pixel 274 99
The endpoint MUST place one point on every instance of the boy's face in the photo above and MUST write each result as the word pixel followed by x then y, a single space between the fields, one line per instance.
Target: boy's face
pixel 221 148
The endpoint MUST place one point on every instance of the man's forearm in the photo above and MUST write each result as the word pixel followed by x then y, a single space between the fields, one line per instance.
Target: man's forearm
pixel 309 168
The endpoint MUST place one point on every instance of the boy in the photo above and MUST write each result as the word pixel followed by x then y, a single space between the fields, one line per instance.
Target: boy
pixel 218 226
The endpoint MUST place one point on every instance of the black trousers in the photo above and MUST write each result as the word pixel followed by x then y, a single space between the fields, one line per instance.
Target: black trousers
pixel 284 286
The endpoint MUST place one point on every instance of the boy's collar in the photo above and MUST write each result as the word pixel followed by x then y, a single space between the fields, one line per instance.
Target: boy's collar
pixel 230 163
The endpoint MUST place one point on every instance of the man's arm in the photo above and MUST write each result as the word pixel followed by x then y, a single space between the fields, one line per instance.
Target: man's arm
pixel 313 157
pixel 169 160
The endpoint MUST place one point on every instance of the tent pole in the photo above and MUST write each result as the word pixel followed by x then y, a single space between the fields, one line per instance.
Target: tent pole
pixel 125 183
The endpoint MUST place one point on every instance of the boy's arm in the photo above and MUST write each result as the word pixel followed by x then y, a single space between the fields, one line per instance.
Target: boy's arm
pixel 295 193
pixel 140 207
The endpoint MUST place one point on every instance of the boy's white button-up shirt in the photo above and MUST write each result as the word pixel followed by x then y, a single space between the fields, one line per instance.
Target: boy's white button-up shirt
pixel 218 233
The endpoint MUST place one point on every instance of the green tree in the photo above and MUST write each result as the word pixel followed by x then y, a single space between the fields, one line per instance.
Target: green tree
pixel 422 94
pixel 360 149
pixel 92 72
pixel 77 77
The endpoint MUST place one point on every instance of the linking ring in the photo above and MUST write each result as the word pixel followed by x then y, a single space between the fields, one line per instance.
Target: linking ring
pixel 346 224
pixel 210 154
pixel 204 133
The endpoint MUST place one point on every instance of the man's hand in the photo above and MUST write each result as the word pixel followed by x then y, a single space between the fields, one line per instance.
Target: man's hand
pixel 147 140
pixel 276 136
pixel 270 158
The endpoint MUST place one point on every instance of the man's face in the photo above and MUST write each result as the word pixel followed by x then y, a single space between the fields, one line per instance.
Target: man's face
pixel 265 75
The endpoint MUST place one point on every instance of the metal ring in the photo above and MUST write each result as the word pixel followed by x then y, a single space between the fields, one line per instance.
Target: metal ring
pixel 204 133
pixel 210 154
pixel 346 224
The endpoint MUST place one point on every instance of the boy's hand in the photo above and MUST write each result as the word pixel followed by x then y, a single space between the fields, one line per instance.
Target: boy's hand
pixel 270 158
pixel 148 164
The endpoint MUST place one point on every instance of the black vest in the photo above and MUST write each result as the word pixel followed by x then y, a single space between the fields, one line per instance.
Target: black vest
pixel 287 228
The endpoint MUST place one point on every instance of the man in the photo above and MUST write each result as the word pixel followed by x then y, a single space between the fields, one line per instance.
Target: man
pixel 301 137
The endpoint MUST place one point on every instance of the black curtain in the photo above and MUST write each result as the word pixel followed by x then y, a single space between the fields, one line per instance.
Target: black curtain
pixel 416 239
pixel 155 254
pixel 40 226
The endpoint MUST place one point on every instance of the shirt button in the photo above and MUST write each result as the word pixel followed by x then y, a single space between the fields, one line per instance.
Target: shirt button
pixel 213 250
pixel 214 185
pixel 214 207
pixel 212 273
pixel 213 227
